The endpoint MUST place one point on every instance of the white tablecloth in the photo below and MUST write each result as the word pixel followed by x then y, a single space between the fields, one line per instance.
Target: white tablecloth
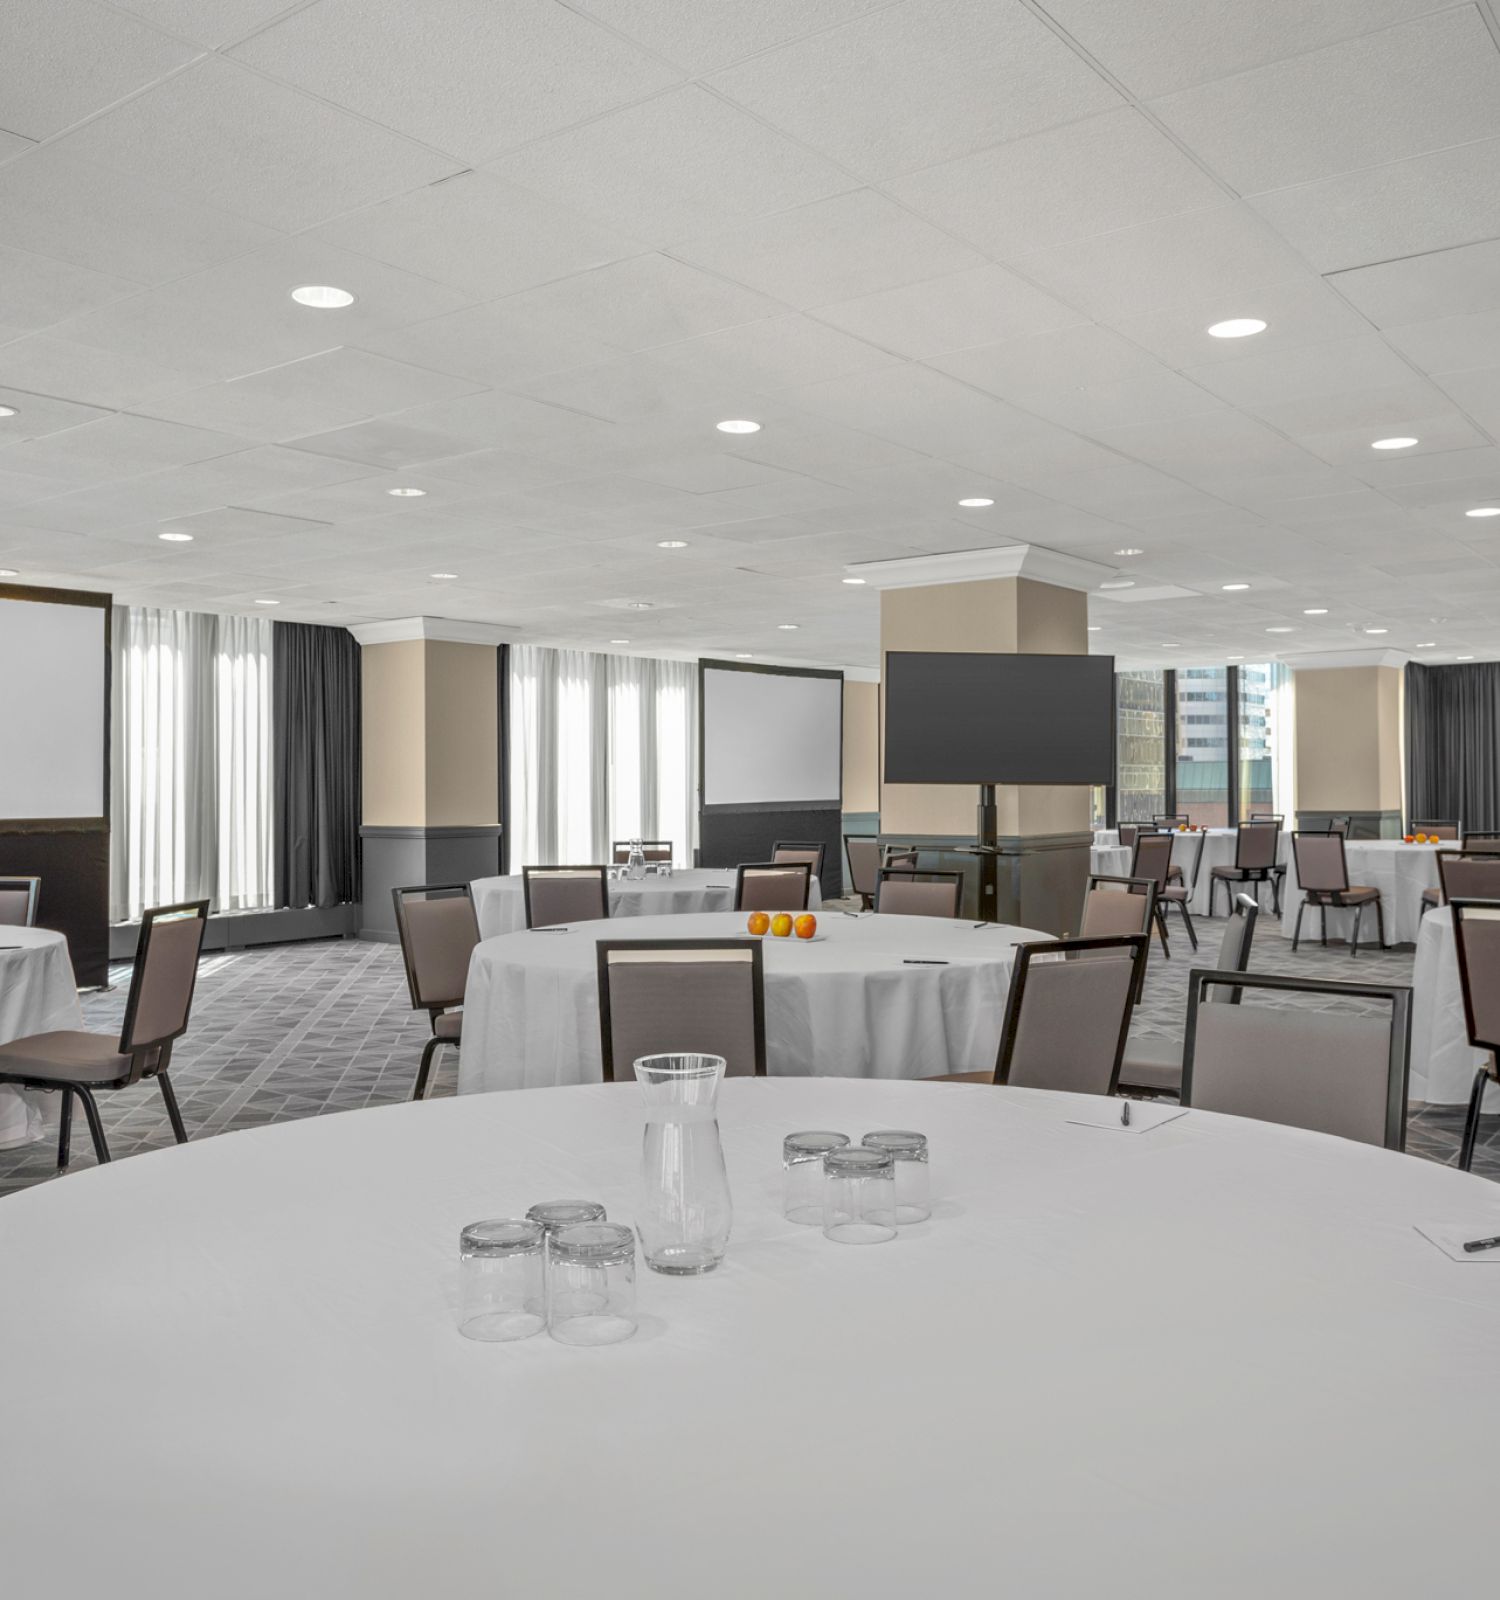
pixel 844 1006
pixel 1218 851
pixel 1443 1063
pixel 501 906
pixel 1212 1360
pixel 38 994
pixel 1400 871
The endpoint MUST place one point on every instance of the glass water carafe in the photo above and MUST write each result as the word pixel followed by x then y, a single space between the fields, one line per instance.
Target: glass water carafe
pixel 635 866
pixel 685 1212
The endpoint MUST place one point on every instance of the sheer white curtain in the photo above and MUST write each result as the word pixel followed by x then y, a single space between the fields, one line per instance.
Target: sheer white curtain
pixel 190 761
pixel 601 748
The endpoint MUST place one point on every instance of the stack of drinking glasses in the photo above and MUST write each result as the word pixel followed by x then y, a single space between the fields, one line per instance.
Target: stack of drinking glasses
pixel 563 1267
pixel 858 1194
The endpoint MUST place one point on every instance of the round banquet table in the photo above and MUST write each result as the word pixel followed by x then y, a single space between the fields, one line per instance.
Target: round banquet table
pixel 1443 1062
pixel 845 1005
pixel 1219 845
pixel 1214 1359
pixel 500 904
pixel 38 994
pixel 1400 871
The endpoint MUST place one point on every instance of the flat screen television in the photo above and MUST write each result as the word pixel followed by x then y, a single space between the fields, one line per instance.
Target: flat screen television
pixel 971 718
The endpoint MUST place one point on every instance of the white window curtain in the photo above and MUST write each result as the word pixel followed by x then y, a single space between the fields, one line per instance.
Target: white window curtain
pixel 601 748
pixel 190 761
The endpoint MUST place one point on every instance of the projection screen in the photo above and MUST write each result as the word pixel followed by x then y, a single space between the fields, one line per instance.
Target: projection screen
pixel 772 738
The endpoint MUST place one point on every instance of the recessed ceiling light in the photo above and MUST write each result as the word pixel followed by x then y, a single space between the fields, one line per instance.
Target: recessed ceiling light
pixel 1393 444
pixel 7 411
pixel 1463 658
pixel 176 538
pixel 442 574
pixel 1316 611
pixel 1169 647
pixel 744 656
pixel 1228 586
pixel 1429 644
pixel 671 544
pixel 1130 550
pixel 853 580
pixel 407 494
pixel 322 297
pixel 1119 583
pixel 1234 658
pixel 788 627
pixel 619 641
pixel 640 605
pixel 738 425
pixel 268 602
pixel 1237 328
pixel 1484 511
pixel 976 500
pixel 1278 630
pixel 1095 628
pixel 9 572
pixel 1377 630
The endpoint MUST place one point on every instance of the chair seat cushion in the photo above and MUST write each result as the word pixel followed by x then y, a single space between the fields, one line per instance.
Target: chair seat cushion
pixel 1174 891
pixel 962 1077
pixel 65 1057
pixel 1152 1063
pixel 1174 874
pixel 1429 897
pixel 1357 894
pixel 1237 873
pixel 450 1025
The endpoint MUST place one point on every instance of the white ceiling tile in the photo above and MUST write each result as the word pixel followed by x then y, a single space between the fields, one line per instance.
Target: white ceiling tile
pixel 1155 46
pixel 36 416
pixel 641 391
pixel 1198 448
pixel 1478 393
pixel 1418 288
pixel 772 353
pixel 494 471
pixel 119 446
pixel 1045 365
pixel 1390 95
pixel 1220 252
pixel 210 22
pixel 977 306
pixel 683 164
pixel 37 292
pixel 12 144
pixel 64 60
pixel 832 250
pixel 1450 344
pixel 227 136
pixel 918 83
pixel 1281 376
pixel 489 79
pixel 1106 172
pixel 48 365
pixel 1160 396
pixel 700 37
pixel 1406 208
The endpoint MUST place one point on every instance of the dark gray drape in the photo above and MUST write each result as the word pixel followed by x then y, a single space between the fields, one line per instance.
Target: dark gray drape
pixel 317 782
pixel 1453 743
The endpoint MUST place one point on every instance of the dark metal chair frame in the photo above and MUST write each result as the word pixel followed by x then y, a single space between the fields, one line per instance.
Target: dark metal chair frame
pixel 867 901
pixel 777 866
pixel 1331 898
pixel 1140 886
pixel 1487 1072
pixel 1485 842
pixel 1169 823
pixel 603 872
pixel 915 875
pixel 1188 881
pixel 1398 994
pixel 149 1059
pixel 757 982
pixel 1158 911
pixel 433 1008
pixel 33 887
pixel 652 849
pixel 802 844
pixel 1270 874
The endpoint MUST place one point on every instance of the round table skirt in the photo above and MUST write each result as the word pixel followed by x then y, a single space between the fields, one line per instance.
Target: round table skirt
pixel 1214 1359
pixel 500 904
pixel 38 994
pixel 1443 1062
pixel 1219 845
pixel 1400 871
pixel 845 1006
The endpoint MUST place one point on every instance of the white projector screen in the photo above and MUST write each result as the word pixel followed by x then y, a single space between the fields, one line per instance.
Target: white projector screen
pixel 52 678
pixel 771 738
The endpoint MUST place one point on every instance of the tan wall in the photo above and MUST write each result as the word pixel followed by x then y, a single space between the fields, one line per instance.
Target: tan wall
pixel 1049 621
pixel 1349 739
pixel 861 746
pixel 394 767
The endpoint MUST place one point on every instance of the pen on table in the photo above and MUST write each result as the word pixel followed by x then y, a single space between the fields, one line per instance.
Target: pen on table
pixel 1125 1115
pixel 1473 1246
pixel 921 961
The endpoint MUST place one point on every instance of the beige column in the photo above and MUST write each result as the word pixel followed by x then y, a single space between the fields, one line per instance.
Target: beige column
pixel 861 752
pixel 431 757
pixel 1351 756
pixel 1016 600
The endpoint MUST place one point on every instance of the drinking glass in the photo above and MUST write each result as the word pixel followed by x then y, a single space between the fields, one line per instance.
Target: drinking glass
pixel 685 1212
pixel 802 1157
pixel 591 1283
pixel 913 1186
pixel 859 1195
pixel 555 1214
pixel 502 1280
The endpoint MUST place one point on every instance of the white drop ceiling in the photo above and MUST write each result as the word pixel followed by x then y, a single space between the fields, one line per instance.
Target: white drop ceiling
pixel 939 249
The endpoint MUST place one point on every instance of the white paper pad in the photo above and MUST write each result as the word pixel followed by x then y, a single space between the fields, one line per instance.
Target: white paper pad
pixel 1449 1237
pixel 1142 1117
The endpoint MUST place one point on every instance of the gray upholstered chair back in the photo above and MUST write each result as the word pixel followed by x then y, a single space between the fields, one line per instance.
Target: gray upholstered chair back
pixel 895 856
pixel 1153 857
pixel 564 894
pixel 864 862
pixel 1255 846
pixel 1341 826
pixel 18 901
pixel 930 894
pixel 1163 820
pixel 651 850
pixel 791 853
pixel 1320 862
pixel 773 887
pixel 1114 906
pixel 682 997
pixel 1481 844
pixel 438 930
pixel 1437 830
pixel 166 969
pixel 1234 947
pixel 1476 930
pixel 1329 1071
pixel 1466 877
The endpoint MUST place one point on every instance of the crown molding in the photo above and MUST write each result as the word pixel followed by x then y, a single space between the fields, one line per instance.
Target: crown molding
pixel 971 566
pixel 446 630
pixel 861 674
pixel 1316 660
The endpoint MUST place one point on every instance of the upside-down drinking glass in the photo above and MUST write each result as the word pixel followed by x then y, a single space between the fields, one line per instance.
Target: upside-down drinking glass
pixel 503 1283
pixel 802 1158
pixel 859 1195
pixel 913 1185
pixel 591 1283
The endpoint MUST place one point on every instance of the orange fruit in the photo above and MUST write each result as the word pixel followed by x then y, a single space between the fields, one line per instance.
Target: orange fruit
pixel 806 925
pixel 759 923
pixel 781 924
pixel 1409 838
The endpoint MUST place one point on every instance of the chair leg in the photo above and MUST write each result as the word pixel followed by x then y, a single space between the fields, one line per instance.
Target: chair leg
pixel 1275 895
pixel 1471 1121
pixel 1161 928
pixel 96 1123
pixel 1188 922
pixel 65 1130
pixel 1380 922
pixel 1297 926
pixel 1213 883
pixel 174 1116
pixel 1323 923
pixel 419 1090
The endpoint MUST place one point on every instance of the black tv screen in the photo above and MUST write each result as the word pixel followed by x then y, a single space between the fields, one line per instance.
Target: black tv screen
pixel 970 718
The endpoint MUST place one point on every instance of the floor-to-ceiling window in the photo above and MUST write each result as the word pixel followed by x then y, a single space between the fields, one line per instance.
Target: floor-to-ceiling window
pixel 1264 692
pixel 1140 746
pixel 1203 713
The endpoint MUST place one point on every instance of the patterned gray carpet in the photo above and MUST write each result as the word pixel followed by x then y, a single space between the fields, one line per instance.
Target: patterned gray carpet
pixel 293 1031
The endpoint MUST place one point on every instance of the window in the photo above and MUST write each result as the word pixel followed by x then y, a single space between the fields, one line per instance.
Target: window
pixel 1265 730
pixel 1202 768
pixel 1141 750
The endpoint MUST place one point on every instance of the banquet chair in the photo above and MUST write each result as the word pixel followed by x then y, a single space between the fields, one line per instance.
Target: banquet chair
pixel 1114 906
pixel 156 1015
pixel 1276 820
pixel 1179 890
pixel 1462 876
pixel 1323 873
pixel 1476 936
pixel 1340 826
pixel 651 849
pixel 1256 845
pixel 1329 1071
pixel 438 929
pixel 1481 844
pixel 1066 1017
pixel 1174 821
pixel 18 898
pixel 1152 858
pixel 863 851
pixel 1131 831
pixel 897 855
pixel 928 894
pixel 682 997
pixel 1153 1065
pixel 564 894
pixel 772 886
pixel 786 850
pixel 1437 830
